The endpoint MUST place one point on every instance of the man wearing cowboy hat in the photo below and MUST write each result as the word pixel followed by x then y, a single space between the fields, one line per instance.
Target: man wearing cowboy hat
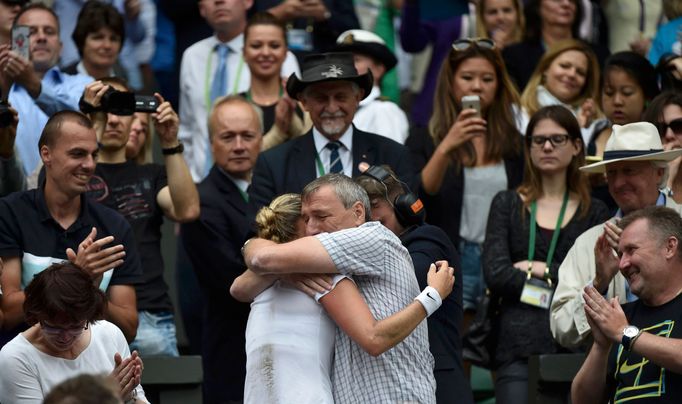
pixel 376 113
pixel 330 89
pixel 636 167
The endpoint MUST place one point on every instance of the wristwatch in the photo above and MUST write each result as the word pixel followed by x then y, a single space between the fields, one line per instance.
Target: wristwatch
pixel 173 150
pixel 630 333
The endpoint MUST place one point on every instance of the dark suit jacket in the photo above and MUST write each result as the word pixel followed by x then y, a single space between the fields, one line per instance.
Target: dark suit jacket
pixel 291 166
pixel 213 243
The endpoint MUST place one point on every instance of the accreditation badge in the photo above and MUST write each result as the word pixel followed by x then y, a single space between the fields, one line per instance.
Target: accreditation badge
pixel 537 293
pixel 300 39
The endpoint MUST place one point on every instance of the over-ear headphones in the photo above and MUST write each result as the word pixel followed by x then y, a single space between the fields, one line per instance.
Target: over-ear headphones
pixel 409 209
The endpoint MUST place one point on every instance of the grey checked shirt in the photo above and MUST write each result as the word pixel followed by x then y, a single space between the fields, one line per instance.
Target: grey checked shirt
pixel 382 269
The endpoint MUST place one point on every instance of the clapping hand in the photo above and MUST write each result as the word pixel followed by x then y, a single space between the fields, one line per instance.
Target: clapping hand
pixel 93 258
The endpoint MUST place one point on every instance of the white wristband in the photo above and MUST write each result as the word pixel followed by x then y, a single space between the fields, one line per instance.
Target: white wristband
pixel 430 299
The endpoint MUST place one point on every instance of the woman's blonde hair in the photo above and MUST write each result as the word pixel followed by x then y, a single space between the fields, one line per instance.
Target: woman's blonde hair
pixel 482 32
pixel 278 221
pixel 503 138
pixel 529 98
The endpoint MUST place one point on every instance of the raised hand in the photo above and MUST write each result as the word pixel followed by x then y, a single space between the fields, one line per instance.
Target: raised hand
pixel 93 258
pixel 166 122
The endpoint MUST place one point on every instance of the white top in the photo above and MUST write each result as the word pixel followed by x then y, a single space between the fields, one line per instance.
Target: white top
pixel 289 348
pixel 481 184
pixel 382 117
pixel 28 374
pixel 197 68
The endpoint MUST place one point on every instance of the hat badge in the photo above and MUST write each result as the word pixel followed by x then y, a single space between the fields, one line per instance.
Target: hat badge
pixel 333 72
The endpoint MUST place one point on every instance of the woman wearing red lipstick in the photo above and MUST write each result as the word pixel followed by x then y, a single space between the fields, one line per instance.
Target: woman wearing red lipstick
pixel 265 49
pixel 67 336
pixel 568 75
pixel 530 230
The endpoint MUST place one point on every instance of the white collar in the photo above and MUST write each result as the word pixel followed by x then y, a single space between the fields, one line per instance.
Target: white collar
pixel 373 95
pixel 240 183
pixel 235 44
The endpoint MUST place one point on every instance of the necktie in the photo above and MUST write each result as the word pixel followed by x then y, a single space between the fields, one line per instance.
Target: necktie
pixel 218 89
pixel 335 165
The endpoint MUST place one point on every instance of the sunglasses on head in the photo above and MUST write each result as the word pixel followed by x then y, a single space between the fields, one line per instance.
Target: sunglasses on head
pixel 466 43
pixel 675 125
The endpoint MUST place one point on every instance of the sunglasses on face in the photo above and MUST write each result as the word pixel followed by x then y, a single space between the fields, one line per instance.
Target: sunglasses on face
pixel 556 140
pixel 675 125
pixel 74 331
pixel 466 43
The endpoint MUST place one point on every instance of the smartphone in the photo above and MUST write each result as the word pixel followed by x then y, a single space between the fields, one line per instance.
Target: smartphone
pixel 20 40
pixel 146 103
pixel 472 101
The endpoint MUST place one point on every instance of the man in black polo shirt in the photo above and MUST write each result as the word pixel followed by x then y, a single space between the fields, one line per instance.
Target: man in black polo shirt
pixel 144 194
pixel 56 222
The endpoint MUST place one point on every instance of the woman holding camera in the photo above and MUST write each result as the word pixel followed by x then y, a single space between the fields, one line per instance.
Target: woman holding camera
pixel 467 155
pixel 529 232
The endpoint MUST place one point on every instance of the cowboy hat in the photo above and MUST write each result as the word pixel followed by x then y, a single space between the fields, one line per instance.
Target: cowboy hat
pixel 637 141
pixel 366 43
pixel 333 66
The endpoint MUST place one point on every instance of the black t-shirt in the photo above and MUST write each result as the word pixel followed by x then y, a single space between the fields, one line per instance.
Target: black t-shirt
pixel 635 379
pixel 131 189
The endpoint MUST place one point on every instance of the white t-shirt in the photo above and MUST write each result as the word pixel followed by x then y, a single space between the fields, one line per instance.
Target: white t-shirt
pixel 289 348
pixel 27 374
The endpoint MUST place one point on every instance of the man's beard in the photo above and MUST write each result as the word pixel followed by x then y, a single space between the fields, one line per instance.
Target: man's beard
pixel 332 127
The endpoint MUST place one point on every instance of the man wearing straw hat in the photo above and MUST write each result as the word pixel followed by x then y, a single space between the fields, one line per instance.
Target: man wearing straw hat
pixel 636 167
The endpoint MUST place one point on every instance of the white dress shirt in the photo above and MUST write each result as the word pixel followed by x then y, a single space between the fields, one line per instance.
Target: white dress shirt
pixel 382 117
pixel 197 68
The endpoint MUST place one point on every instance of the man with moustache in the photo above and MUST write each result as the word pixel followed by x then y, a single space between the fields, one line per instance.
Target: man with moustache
pixel 330 89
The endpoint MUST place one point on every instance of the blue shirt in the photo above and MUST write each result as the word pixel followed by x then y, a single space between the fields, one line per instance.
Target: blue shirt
pixel 59 91
pixel 665 40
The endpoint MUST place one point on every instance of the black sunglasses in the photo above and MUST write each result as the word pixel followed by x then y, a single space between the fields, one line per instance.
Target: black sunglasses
pixel 466 43
pixel 556 140
pixel 675 125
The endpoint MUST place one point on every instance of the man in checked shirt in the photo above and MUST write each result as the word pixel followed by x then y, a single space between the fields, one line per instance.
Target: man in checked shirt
pixel 371 364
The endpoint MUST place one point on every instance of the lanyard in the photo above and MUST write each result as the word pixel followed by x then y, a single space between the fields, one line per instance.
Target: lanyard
pixel 320 166
pixel 555 237
pixel 207 74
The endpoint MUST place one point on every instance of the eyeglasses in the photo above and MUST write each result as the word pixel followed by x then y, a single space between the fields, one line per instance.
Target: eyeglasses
pixel 555 140
pixel 675 125
pixel 466 43
pixel 74 331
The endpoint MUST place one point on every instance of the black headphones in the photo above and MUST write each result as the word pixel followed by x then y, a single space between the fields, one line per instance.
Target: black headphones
pixel 408 208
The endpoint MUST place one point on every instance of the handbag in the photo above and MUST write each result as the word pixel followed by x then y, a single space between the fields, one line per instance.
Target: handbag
pixel 480 341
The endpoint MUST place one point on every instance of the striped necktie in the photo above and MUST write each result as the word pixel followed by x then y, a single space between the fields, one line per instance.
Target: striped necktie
pixel 335 165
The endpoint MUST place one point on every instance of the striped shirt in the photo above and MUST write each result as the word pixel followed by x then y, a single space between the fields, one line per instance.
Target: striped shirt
pixel 382 269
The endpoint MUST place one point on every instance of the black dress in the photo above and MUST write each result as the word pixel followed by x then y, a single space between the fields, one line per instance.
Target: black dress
pixel 525 328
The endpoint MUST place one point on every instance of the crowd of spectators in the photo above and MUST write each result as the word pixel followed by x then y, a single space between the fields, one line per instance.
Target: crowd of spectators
pixel 534 142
